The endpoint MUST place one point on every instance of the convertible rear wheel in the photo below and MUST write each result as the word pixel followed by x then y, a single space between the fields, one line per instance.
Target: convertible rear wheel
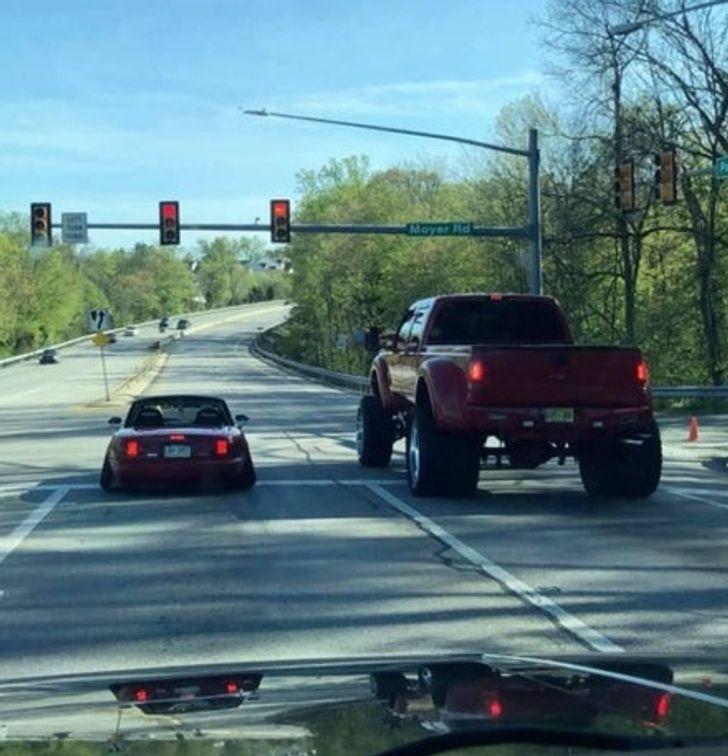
pixel 106 479
pixel 245 479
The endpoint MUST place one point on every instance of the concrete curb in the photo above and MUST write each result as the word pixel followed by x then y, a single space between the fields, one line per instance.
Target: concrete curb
pixel 134 385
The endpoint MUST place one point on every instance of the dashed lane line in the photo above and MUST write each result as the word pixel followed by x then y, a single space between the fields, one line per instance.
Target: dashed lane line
pixel 564 619
pixel 12 489
pixel 11 541
pixel 694 497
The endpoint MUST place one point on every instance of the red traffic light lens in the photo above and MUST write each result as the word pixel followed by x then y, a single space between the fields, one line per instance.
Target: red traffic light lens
pixel 169 210
pixel 280 209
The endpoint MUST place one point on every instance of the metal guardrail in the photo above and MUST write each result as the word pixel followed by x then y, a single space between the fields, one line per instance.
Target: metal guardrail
pixel 691 392
pixel 360 383
pixel 357 383
pixel 8 361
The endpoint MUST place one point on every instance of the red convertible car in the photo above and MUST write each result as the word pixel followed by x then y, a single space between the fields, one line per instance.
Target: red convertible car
pixel 170 440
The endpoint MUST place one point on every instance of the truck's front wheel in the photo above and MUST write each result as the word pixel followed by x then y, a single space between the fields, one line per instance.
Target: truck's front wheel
pixel 440 464
pixel 624 469
pixel 374 433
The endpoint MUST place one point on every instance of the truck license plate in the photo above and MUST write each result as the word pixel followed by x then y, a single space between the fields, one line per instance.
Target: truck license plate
pixel 177 451
pixel 559 415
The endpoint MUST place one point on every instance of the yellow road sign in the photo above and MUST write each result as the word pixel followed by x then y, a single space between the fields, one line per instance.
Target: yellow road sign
pixel 100 339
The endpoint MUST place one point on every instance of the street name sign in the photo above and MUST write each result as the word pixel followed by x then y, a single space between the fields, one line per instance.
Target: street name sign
pixel 450 228
pixel 720 169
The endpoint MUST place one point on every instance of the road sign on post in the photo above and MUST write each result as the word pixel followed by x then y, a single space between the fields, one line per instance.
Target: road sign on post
pixel 96 320
pixel 720 169
pixel 74 228
pixel 450 228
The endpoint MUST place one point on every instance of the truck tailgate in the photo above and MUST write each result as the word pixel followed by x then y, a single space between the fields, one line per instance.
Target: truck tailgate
pixel 558 376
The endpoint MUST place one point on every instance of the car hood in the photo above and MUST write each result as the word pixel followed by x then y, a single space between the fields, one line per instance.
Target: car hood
pixel 375 703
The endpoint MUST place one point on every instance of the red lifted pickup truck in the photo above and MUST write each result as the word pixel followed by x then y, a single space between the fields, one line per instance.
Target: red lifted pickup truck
pixel 463 369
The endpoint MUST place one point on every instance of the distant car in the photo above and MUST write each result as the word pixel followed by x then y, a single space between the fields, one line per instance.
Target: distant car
pixel 130 331
pixel 164 323
pixel 178 439
pixel 112 337
pixel 183 324
pixel 48 357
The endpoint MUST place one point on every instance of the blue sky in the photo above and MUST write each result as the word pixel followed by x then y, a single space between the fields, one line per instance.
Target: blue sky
pixel 110 106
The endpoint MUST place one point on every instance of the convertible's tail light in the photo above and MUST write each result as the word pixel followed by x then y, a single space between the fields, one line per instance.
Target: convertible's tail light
pixel 477 371
pixel 141 695
pixel 232 687
pixel 495 709
pixel 132 447
pixel 222 447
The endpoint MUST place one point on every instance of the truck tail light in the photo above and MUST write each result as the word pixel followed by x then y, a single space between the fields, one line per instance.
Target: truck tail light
pixel 222 447
pixel 477 371
pixel 662 707
pixel 642 372
pixel 132 447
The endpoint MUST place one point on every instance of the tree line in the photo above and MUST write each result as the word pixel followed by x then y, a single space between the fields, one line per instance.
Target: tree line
pixel 654 277
pixel 45 293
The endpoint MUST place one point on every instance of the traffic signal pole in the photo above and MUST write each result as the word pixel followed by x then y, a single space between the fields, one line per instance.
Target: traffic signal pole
pixel 534 213
pixel 532 232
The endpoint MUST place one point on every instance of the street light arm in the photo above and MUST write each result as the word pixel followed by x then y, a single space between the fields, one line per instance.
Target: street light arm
pixel 631 26
pixel 390 129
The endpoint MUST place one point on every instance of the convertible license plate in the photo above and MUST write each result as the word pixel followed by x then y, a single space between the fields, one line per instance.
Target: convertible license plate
pixel 558 415
pixel 177 451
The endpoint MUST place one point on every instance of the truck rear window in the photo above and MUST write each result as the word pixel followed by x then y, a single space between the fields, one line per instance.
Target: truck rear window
pixel 504 321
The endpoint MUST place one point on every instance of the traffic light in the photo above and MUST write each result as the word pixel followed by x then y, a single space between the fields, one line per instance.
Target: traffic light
pixel 40 224
pixel 280 220
pixel 666 176
pixel 169 223
pixel 624 186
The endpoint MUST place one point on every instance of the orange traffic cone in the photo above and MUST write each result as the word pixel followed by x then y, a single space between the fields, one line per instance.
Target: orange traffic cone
pixel 693 429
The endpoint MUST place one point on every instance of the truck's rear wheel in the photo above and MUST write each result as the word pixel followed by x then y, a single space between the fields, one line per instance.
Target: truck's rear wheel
pixel 440 464
pixel 374 433
pixel 623 469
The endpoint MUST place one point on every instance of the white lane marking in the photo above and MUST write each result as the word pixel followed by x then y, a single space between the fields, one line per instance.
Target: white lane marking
pixel 571 624
pixel 695 497
pixel 697 490
pixel 22 394
pixel 10 542
pixel 10 490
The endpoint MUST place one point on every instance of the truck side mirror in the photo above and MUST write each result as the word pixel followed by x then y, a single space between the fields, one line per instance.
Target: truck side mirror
pixel 388 341
pixel 372 340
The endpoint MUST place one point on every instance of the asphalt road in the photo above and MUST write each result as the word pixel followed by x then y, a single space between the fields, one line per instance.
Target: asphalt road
pixel 323 558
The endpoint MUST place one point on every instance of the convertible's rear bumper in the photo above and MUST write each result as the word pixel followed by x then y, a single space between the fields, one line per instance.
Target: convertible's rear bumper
pixel 170 472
